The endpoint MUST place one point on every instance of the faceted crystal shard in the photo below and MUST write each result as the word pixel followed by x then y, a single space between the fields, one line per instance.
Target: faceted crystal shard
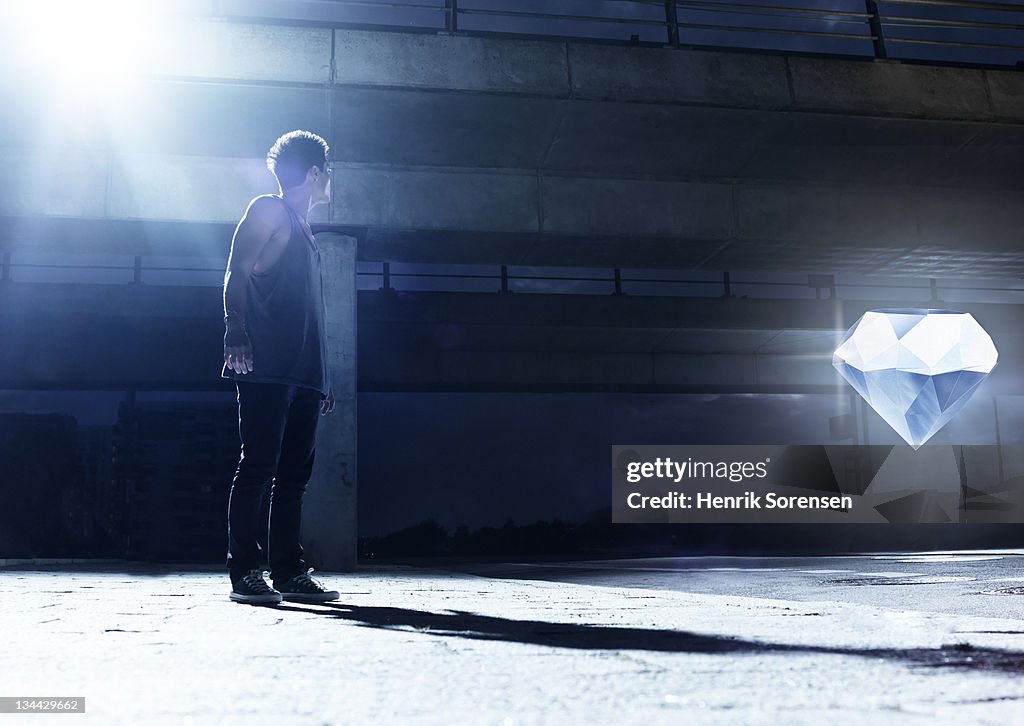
pixel 915 367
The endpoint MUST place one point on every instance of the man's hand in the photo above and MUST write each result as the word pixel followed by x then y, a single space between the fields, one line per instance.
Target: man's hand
pixel 327 405
pixel 237 349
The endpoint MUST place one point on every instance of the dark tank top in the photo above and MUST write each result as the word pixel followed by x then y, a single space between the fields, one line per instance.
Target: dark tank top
pixel 284 317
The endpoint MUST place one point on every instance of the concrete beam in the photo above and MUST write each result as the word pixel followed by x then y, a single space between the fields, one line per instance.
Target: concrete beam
pixel 176 187
pixel 215 49
pixel 184 117
pixel 827 215
pixel 407 127
pixel 78 190
pixel 673 76
pixel 413 127
pixel 664 75
pixel 760 226
pixel 205 48
pixel 605 207
pixel 1007 90
pixel 889 89
pixel 408 60
pixel 102 236
pixel 436 199
pixel 329 530
pixel 209 48
pixel 971 221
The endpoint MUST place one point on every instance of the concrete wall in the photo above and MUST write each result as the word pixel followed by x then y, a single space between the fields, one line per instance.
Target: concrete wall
pixel 710 159
pixel 452 341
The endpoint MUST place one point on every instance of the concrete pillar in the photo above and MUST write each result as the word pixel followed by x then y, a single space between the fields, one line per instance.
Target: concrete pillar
pixel 329 509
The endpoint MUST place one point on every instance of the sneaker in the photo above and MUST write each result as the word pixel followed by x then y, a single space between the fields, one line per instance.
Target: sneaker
pixel 303 588
pixel 251 588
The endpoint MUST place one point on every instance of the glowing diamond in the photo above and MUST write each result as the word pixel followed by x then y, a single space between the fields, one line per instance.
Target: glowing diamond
pixel 915 367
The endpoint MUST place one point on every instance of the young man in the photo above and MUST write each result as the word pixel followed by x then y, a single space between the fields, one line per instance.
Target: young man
pixel 275 349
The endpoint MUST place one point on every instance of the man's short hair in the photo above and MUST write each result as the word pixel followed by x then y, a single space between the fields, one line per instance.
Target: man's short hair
pixel 293 153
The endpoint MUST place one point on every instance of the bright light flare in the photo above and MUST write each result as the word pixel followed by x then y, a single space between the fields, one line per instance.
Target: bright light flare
pixel 87 46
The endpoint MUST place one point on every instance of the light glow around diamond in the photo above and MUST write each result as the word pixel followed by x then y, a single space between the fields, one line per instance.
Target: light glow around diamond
pixel 916 367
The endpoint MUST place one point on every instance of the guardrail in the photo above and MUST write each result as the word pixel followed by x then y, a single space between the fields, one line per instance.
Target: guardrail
pixel 944 31
pixel 504 279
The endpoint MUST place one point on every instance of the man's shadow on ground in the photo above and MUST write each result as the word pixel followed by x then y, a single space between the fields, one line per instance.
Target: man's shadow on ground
pixel 471 626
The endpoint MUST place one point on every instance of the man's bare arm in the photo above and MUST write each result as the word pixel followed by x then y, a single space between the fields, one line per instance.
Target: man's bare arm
pixel 261 221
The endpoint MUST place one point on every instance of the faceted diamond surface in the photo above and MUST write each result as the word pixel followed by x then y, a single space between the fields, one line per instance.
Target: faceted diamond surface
pixel 915 367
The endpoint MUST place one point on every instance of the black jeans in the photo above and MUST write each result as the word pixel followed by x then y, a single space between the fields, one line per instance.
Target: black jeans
pixel 277 427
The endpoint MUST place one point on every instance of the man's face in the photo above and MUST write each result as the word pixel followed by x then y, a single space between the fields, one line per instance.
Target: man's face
pixel 322 185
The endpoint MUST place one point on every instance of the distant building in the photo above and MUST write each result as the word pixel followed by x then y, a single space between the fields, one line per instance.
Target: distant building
pixel 175 462
pixel 42 511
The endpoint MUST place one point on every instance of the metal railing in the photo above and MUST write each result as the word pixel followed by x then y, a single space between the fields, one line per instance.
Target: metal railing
pixel 947 31
pixel 504 279
pixel 618 281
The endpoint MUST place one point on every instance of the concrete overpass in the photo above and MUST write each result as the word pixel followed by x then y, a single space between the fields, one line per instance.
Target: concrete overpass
pixel 458 149
pixel 452 148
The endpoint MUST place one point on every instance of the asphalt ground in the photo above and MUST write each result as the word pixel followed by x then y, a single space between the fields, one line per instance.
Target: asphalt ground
pixel 894 638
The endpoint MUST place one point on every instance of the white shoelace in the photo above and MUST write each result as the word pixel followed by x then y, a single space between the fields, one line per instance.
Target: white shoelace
pixel 305 579
pixel 254 579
